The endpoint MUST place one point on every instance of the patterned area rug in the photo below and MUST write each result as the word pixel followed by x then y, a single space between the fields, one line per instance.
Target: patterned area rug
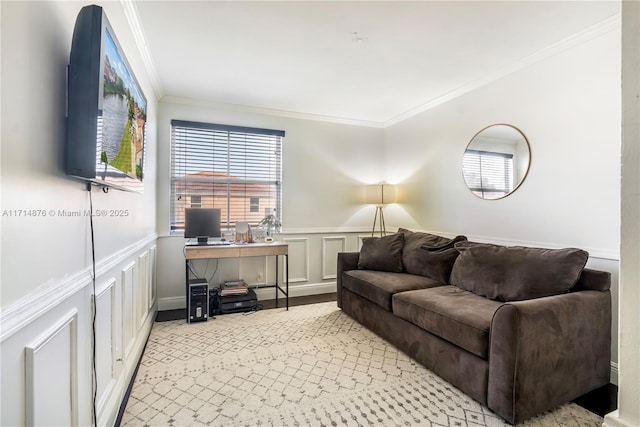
pixel 312 365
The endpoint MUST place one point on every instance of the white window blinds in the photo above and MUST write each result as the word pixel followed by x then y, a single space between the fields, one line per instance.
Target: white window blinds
pixel 236 169
pixel 488 174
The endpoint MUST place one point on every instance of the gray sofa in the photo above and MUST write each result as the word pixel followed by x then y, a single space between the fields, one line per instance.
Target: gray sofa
pixel 520 330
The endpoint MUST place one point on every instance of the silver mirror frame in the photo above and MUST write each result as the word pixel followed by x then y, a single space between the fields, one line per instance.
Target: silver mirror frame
pixel 522 139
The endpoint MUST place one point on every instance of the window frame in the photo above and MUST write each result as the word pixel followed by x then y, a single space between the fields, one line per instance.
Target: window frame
pixel 226 164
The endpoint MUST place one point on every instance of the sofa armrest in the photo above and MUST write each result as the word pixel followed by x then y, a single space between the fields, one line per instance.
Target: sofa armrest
pixel 547 351
pixel 346 261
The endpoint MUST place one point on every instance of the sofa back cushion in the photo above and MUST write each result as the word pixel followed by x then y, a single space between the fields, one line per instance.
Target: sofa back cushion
pixel 434 263
pixel 429 255
pixel 382 253
pixel 516 273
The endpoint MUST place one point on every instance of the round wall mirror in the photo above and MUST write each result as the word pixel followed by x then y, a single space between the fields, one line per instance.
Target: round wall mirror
pixel 496 161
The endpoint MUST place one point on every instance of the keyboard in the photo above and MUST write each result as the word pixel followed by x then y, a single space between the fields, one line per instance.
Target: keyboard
pixel 214 243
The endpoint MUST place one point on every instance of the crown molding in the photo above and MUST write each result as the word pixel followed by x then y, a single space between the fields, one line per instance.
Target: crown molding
pixel 603 27
pixel 133 18
pixel 268 111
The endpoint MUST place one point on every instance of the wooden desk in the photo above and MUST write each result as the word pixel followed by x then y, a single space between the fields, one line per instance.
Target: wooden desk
pixel 242 251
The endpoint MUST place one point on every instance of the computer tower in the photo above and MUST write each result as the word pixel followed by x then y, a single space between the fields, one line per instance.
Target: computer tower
pixel 198 301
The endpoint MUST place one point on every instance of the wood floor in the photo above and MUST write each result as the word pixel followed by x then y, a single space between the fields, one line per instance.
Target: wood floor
pixel 600 401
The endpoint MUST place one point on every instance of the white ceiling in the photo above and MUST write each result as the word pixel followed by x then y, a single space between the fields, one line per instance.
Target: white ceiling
pixel 303 57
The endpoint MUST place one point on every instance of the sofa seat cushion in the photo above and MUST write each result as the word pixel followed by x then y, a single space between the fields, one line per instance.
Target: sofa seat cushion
pixel 453 314
pixel 379 286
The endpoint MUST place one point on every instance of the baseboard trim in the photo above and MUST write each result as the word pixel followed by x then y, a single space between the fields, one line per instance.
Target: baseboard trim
pixel 176 303
pixel 613 420
pixel 171 303
pixel 299 290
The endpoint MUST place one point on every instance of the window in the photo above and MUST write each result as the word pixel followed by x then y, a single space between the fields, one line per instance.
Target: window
pixel 196 201
pixel 488 174
pixel 254 204
pixel 236 169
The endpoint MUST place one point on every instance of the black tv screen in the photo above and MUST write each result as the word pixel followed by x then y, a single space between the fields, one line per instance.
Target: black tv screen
pixel 107 110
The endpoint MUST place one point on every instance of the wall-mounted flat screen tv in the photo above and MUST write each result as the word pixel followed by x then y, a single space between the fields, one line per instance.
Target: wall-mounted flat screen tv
pixel 106 109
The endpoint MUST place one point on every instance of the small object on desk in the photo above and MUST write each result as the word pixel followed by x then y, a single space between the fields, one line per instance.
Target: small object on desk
pixel 258 234
pixel 270 223
pixel 243 232
pixel 228 235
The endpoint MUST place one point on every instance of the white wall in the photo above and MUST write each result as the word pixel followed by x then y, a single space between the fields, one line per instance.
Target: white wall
pixel 325 164
pixel 325 168
pixel 46 260
pixel 568 106
pixel 628 412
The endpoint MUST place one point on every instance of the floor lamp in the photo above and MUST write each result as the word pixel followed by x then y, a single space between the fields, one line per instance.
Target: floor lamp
pixel 380 195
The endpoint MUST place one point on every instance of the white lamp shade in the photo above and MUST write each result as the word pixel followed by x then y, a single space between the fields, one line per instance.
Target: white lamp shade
pixel 373 194
pixel 380 194
pixel 389 194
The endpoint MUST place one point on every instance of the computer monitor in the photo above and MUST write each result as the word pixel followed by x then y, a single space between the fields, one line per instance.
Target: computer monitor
pixel 202 223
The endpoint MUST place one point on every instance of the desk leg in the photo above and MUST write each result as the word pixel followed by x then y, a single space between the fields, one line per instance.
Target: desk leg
pixel 186 288
pixel 286 279
pixel 276 287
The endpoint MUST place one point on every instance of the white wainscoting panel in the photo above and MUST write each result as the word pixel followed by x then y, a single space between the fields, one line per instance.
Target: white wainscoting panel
pixel 330 248
pixel 142 289
pixel 51 371
pixel 128 308
pixel 298 259
pixel 46 341
pixel 152 275
pixel 105 327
